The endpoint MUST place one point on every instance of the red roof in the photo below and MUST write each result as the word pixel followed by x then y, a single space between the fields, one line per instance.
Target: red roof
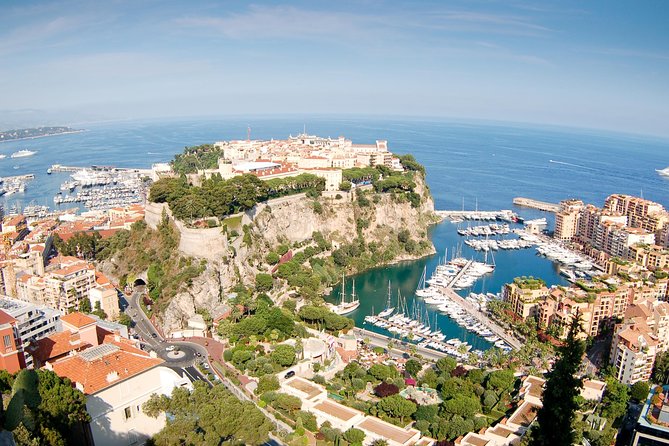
pixel 6 318
pixel 97 373
pixel 77 319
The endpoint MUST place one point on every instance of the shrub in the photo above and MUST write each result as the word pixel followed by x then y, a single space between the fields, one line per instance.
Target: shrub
pixel 272 258
pixel 264 282
pixel 386 389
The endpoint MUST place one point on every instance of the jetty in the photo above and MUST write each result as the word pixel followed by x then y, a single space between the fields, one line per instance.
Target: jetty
pixel 536 204
pixel 503 215
pixel 482 318
pixel 26 177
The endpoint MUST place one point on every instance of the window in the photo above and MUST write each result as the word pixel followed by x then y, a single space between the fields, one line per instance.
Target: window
pixel 127 412
pixel 8 341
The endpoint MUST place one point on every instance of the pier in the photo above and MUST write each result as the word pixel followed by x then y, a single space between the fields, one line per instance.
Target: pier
pixel 26 177
pixel 449 292
pixel 482 318
pixel 536 204
pixel 504 215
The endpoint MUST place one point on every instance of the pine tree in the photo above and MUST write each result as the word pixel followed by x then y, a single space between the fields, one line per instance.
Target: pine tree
pixel 559 399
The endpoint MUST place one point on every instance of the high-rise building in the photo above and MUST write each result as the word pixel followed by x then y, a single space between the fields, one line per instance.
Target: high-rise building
pixel 567 219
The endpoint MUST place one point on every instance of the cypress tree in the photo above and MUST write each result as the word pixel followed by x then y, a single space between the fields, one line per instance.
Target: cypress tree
pixel 555 418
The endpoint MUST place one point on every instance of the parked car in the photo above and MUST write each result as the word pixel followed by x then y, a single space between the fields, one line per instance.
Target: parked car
pixel 289 374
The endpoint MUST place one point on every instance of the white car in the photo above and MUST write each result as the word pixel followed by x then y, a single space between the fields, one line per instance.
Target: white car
pixel 170 348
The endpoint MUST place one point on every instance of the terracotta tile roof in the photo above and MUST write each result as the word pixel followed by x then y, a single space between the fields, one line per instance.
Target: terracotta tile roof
pixel 103 366
pixel 77 319
pixel 56 345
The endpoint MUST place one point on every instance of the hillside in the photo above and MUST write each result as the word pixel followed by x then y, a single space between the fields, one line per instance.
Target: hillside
pixel 326 235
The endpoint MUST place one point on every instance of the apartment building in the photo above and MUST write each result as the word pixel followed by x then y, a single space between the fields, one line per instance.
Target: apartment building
pixel 33 322
pixel 567 219
pixel 643 334
pixel 66 281
pixel 650 256
pixel 11 349
pixel 598 307
pixel 633 352
pixel 524 295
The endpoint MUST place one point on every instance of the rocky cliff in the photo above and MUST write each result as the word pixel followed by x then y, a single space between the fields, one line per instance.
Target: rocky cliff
pixel 340 217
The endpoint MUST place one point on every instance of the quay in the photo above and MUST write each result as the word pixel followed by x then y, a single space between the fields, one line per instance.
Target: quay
pixel 26 177
pixel 379 340
pixel 449 292
pixel 62 168
pixel 504 215
pixel 536 204
pixel 482 318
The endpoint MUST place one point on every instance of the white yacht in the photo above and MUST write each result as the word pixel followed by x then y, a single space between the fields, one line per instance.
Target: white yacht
pixel 23 153
pixel 664 172
pixel 344 306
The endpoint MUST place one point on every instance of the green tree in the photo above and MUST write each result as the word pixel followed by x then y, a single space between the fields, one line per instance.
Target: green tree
pixel 639 391
pixel 413 367
pixel 446 365
pixel 661 368
pixel 208 416
pixel 125 320
pixel 264 282
pixel 354 436
pixel 267 383
pixel 85 305
pixel 272 258
pixel 559 398
pixel 284 355
pixel 615 399
pixel 345 186
pixel 396 406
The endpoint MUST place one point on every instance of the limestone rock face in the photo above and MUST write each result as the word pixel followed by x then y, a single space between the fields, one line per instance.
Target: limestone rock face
pixel 291 219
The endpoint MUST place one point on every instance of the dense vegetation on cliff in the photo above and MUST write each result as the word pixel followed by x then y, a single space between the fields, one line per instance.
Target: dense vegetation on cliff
pixel 133 252
pixel 218 198
pixel 196 158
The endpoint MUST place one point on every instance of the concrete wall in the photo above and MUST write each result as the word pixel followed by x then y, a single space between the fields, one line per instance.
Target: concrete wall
pixel 208 243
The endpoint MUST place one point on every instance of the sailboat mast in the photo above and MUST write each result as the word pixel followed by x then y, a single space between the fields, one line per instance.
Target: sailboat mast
pixel 342 296
pixel 353 298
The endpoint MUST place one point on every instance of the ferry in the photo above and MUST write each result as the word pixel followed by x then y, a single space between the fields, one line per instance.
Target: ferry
pixel 23 153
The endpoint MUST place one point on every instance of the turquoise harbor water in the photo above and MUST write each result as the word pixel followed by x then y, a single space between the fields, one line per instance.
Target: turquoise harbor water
pixel 484 164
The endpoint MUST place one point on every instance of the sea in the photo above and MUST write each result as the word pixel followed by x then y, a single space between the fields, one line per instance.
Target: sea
pixel 470 165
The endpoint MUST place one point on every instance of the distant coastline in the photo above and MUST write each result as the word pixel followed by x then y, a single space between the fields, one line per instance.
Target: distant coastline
pixel 35 132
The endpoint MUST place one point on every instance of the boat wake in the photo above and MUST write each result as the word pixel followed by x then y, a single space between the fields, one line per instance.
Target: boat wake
pixel 153 153
pixel 571 164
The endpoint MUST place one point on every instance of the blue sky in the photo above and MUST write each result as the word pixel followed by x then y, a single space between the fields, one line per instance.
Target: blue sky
pixel 601 64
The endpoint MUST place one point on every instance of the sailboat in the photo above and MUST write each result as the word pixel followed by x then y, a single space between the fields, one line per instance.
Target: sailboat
pixel 388 310
pixel 344 306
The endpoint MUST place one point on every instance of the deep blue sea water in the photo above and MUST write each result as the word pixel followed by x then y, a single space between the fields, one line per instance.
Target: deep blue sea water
pixel 482 164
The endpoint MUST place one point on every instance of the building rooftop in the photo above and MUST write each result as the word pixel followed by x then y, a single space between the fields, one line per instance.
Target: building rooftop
pixel 103 366
pixel 6 318
pixel 387 430
pixel 336 410
pixel 77 319
pixel 305 387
